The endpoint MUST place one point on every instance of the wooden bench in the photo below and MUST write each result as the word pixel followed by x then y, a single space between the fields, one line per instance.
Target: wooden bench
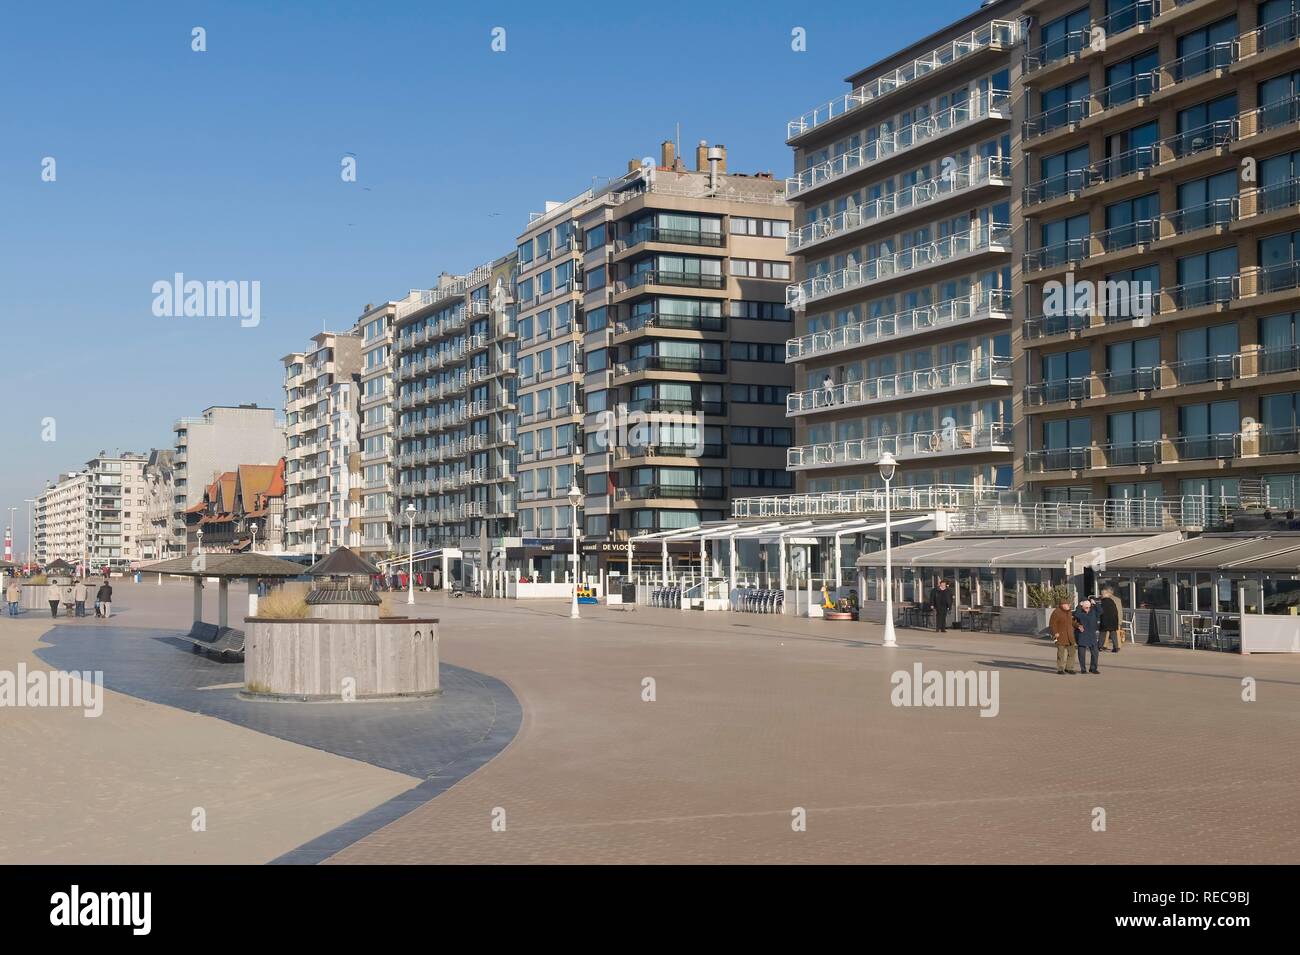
pixel 208 638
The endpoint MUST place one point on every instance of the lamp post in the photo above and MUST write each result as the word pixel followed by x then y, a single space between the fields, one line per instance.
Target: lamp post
pixel 252 548
pixel 887 466
pixel 410 553
pixel 574 497
pixel 30 502
pixel 313 538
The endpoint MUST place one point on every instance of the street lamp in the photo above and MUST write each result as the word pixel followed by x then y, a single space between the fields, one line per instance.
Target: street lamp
pixel 313 538
pixel 887 466
pixel 574 497
pixel 30 502
pixel 252 548
pixel 410 553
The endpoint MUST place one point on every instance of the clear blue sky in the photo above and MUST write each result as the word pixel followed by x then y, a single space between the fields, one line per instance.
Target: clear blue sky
pixel 225 165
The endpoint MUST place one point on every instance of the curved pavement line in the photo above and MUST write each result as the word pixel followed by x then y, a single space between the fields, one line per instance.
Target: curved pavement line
pixel 505 726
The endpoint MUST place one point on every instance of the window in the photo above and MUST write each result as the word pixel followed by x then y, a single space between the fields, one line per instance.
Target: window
pixel 761 311
pixel 1207 431
pixel 1062 173
pixel 525 252
pixel 1206 49
pixel 775 228
pixel 757 351
pixel 773 437
pixel 1132 366
pixel 1129 79
pixel 1062 105
pixel 596 278
pixel 759 394
pixel 761 477
pixel 1065 35
pixel 758 269
pixel 1206 354
pixel 1203 203
pixel 597 359
pixel 1206 279
pixel 594 238
pixel 597 319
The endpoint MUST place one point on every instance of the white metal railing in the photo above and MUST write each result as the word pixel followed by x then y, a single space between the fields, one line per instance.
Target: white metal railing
pixel 978 305
pixel 916 444
pixel 940 378
pixel 988 104
pixel 979 172
pixel 995 237
pixel 928 497
pixel 996 34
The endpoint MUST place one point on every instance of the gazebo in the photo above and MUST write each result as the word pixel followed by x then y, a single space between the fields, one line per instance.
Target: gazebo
pixel 224 567
pixel 59 566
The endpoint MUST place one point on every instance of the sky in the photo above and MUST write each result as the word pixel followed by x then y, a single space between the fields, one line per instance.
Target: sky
pixel 225 165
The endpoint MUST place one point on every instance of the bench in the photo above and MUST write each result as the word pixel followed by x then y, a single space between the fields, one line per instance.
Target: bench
pixel 208 638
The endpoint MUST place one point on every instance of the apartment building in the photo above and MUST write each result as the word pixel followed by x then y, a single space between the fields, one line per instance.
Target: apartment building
pixel 322 460
pixel 159 499
pixel 549 300
pixel 208 444
pixel 684 274
pixel 1159 293
pixel 62 517
pixel 456 401
pixel 902 244
pixel 377 438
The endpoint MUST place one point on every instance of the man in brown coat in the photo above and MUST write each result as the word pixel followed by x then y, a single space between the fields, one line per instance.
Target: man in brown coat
pixel 1061 624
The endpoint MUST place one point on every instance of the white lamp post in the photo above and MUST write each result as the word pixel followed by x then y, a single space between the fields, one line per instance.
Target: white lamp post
pixel 887 466
pixel 252 548
pixel 313 538
pixel 410 553
pixel 30 502
pixel 574 497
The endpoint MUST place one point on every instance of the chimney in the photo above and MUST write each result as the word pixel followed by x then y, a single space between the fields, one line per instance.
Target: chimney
pixel 667 154
pixel 633 165
pixel 702 155
pixel 722 161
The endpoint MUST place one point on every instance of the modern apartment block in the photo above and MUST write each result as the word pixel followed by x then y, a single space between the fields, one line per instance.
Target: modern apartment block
pixel 455 401
pixel 62 519
pixel 684 272
pixel 902 243
pixel 377 437
pixel 159 499
pixel 321 405
pixel 211 443
pixel 549 299
pixel 1162 175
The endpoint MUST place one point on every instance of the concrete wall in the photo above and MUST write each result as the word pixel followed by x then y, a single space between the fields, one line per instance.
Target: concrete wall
pixel 392 656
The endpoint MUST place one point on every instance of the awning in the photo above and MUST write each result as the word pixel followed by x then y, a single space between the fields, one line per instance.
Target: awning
pixel 1280 552
pixel 988 553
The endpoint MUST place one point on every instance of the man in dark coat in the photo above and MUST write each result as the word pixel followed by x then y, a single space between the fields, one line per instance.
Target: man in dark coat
pixel 1110 619
pixel 941 601
pixel 1087 621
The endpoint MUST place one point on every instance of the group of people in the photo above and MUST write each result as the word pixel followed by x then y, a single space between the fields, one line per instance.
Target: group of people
pixel 73 595
pixel 1085 630
pixel 397 581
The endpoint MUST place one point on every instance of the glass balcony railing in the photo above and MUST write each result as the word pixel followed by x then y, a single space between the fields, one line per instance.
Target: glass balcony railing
pixel 941 378
pixel 989 104
pixel 991 238
pixel 997 34
pixel 977 306
pixel 980 172
pixel 917 444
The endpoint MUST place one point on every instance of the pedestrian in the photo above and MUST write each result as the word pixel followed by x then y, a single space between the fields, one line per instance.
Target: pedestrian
pixel 13 593
pixel 419 580
pixel 105 598
pixel 1062 626
pixel 828 386
pixel 941 601
pixel 79 598
pixel 1087 620
pixel 69 600
pixel 1112 614
pixel 52 594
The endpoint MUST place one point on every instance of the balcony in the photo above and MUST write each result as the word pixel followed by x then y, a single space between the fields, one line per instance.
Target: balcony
pixel 992 104
pixel 977 306
pixel 1273 35
pixel 1063 116
pixel 915 445
pixel 938 380
pixel 1281 196
pixel 670 450
pixel 993 238
pixel 674 279
pixel 980 172
pixel 674 406
pixel 644 363
pixel 690 323
pixel 669 236
pixel 642 492
pixel 1284 114
pixel 994 35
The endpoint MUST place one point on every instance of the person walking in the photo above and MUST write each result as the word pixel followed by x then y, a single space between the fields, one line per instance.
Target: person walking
pixel 52 595
pixel 69 600
pixel 1112 615
pixel 105 598
pixel 941 601
pixel 79 598
pixel 1087 619
pixel 13 593
pixel 1061 624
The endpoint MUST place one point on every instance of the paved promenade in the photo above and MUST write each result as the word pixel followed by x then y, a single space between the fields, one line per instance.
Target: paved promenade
pixel 753 717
